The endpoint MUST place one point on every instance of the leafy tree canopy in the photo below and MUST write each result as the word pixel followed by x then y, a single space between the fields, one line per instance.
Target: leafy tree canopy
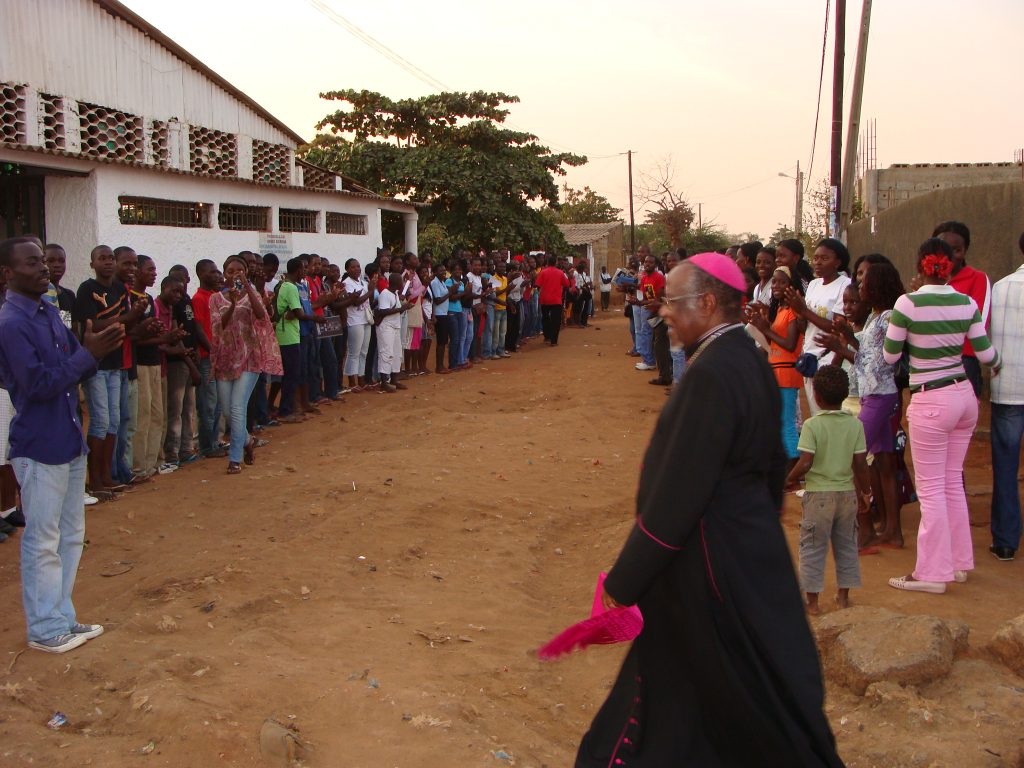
pixel 583 206
pixel 483 183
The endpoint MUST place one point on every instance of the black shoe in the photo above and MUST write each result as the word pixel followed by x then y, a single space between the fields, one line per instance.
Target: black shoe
pixel 661 382
pixel 1002 553
pixel 16 518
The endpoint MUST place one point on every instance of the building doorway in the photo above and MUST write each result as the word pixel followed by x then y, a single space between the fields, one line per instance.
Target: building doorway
pixel 22 196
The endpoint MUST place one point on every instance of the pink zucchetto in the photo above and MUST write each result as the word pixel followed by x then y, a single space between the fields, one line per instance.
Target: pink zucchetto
pixel 721 268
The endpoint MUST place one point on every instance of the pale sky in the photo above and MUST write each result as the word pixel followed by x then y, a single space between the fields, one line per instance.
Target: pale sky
pixel 727 88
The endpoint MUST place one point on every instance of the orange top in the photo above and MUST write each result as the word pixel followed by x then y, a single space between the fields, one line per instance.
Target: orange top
pixel 783 362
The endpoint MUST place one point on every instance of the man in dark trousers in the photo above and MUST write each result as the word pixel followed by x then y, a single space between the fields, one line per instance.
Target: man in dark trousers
pixel 41 364
pixel 725 671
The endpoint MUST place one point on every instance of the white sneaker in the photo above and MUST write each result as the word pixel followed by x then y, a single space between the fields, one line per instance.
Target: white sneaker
pixel 90 500
pixel 960 577
pixel 644 367
pixel 58 644
pixel 913 585
pixel 166 469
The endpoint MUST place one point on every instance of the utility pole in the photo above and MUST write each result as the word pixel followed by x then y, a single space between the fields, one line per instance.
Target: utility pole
pixel 836 174
pixel 632 223
pixel 798 223
pixel 700 218
pixel 853 129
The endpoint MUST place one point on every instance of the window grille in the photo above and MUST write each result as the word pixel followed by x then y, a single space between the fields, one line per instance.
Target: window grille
pixel 213 153
pixel 297 220
pixel 251 218
pixel 270 163
pixel 317 178
pixel 109 132
pixel 345 224
pixel 52 119
pixel 163 213
pixel 158 141
pixel 12 114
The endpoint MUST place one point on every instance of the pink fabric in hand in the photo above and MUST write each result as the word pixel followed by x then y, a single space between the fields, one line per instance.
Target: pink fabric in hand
pixel 617 625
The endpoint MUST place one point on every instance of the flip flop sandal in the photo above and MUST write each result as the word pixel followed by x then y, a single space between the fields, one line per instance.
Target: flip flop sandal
pixel 234 468
pixel 250 452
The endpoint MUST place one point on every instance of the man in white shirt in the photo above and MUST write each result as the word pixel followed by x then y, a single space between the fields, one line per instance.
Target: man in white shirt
pixel 606 288
pixel 1007 411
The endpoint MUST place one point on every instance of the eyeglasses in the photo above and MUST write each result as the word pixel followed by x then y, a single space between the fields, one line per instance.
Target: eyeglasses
pixel 684 297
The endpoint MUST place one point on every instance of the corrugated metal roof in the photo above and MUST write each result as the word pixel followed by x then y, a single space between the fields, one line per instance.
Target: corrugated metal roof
pixel 581 234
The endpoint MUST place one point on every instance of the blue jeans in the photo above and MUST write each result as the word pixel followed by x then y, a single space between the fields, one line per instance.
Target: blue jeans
pixel 644 335
pixel 329 366
pixel 526 318
pixel 632 331
pixel 103 399
pixel 537 319
pixel 51 546
pixel 122 469
pixel 234 401
pixel 457 329
pixel 790 402
pixel 208 407
pixel 678 364
pixel 499 327
pixel 487 342
pixel 1007 429
pixel 467 339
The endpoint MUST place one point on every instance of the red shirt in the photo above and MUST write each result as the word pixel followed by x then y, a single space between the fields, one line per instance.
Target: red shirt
pixel 316 287
pixel 974 283
pixel 551 281
pixel 652 285
pixel 201 308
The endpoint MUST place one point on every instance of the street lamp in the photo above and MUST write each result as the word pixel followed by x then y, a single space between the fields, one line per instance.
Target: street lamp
pixel 798 217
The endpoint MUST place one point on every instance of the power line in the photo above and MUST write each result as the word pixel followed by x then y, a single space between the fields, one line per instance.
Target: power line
pixel 817 110
pixel 422 75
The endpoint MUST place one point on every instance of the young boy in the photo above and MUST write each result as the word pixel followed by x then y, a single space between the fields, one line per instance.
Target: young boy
pixel 389 333
pixel 832 456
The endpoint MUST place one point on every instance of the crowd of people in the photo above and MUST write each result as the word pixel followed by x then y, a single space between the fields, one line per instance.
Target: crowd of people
pixel 141 377
pixel 168 377
pixel 854 340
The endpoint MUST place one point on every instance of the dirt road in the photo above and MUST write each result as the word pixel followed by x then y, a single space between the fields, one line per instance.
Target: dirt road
pixel 378 580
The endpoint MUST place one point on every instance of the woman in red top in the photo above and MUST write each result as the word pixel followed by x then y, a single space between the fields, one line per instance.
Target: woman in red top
pixel 551 282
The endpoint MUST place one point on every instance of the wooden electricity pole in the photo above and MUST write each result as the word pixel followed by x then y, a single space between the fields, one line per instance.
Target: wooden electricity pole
pixel 853 129
pixel 632 223
pixel 836 174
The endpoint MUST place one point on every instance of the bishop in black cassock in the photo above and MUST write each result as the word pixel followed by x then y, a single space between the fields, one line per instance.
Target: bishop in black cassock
pixel 725 672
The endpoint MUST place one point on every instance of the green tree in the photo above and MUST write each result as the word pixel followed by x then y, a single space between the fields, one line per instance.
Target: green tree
pixel 583 206
pixel 483 183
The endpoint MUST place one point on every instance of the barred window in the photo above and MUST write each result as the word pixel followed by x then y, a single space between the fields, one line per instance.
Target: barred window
pixel 252 218
pixel 163 213
pixel 297 220
pixel 345 224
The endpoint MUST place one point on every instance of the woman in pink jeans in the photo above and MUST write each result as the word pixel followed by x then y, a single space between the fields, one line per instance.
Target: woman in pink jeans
pixel 932 323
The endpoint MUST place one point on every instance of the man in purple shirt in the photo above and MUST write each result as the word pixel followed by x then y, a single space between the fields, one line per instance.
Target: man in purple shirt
pixel 41 364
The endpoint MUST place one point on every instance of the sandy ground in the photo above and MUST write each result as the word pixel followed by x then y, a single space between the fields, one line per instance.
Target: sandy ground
pixel 378 580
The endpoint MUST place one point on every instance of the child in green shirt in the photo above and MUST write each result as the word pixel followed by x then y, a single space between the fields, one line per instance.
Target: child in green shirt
pixel 832 456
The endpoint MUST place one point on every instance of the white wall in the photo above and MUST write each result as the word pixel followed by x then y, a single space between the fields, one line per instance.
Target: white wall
pixel 84 214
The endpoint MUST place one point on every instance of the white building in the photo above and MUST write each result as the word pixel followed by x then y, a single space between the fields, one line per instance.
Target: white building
pixel 111 133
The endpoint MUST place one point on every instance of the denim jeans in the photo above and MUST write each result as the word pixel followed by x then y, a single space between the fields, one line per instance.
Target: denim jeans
pixel 51 545
pixel 208 407
pixel 329 366
pixel 1007 429
pixel 644 335
pixel 103 399
pixel 678 364
pixel 122 469
pixel 234 400
pixel 632 330
pixel 467 339
pixel 457 331
pixel 537 319
pixel 487 342
pixel 499 327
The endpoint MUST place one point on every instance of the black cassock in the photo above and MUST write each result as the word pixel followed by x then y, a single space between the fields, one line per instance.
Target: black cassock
pixel 725 672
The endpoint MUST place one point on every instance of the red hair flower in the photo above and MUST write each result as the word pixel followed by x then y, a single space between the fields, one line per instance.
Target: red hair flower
pixel 936 265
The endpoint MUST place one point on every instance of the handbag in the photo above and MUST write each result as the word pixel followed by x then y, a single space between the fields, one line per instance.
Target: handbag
pixel 807 364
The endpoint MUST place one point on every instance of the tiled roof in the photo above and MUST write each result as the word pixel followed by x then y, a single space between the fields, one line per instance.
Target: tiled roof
pixel 581 234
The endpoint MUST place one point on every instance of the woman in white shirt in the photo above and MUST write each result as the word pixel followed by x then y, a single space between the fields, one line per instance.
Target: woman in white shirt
pixel 824 299
pixel 358 325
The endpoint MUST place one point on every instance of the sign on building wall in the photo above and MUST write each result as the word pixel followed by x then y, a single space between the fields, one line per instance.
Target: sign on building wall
pixel 278 243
